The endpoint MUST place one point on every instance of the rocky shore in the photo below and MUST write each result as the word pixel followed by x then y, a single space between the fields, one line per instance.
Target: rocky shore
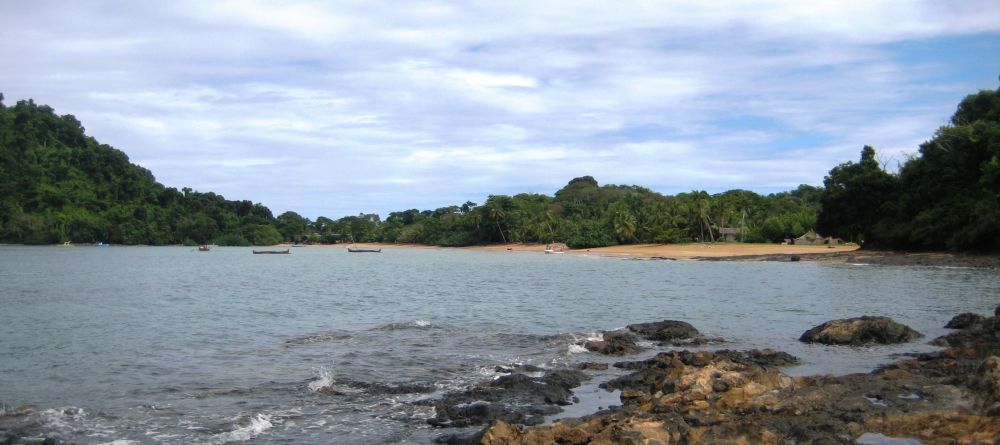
pixel 742 397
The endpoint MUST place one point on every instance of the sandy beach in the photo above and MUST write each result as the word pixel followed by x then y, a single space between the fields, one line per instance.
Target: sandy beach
pixel 849 253
pixel 673 251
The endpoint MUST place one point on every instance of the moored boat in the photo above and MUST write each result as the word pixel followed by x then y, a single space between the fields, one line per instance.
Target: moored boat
pixel 204 248
pixel 271 252
pixel 555 248
pixel 363 250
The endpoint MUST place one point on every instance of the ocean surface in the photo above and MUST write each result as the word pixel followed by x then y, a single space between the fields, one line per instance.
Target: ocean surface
pixel 137 345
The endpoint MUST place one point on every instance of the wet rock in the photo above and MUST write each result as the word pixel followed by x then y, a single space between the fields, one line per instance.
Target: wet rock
pixel 859 331
pixel 740 397
pixel 614 343
pixel 591 366
pixel 986 380
pixel 761 357
pixel 965 321
pixel 666 330
pixel 515 398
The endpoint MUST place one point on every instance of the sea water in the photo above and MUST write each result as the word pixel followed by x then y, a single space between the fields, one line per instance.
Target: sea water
pixel 135 345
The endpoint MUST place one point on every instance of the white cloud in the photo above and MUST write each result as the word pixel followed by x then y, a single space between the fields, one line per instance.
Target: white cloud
pixel 359 106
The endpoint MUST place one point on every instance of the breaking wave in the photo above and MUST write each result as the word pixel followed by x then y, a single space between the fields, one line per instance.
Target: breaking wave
pixel 258 424
pixel 411 324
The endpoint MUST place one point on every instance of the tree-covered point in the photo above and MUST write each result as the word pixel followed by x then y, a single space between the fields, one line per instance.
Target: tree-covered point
pixel 57 184
pixel 945 197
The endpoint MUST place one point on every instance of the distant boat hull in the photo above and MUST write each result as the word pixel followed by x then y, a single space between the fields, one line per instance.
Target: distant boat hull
pixel 271 252
pixel 204 248
pixel 356 250
pixel 553 248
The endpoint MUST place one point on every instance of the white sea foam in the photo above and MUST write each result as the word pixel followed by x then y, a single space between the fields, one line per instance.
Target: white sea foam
pixel 323 380
pixel 577 342
pixel 258 424
pixel 120 442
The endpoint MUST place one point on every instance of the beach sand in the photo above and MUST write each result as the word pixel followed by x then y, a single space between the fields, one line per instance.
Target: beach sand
pixel 738 252
pixel 686 251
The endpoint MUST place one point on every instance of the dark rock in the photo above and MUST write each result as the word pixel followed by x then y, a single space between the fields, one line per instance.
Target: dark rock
pixel 614 343
pixel 666 330
pixel 859 331
pixel 514 398
pixel 965 321
pixel 996 312
pixel 760 357
pixel 794 258
pixel 591 366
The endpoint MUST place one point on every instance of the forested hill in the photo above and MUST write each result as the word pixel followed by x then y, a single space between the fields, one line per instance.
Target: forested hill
pixel 58 184
pixel 947 197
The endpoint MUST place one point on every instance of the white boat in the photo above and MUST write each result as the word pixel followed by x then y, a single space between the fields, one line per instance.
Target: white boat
pixel 553 248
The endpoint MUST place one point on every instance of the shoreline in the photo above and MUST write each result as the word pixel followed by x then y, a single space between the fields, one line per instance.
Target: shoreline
pixel 721 251
pixel 744 252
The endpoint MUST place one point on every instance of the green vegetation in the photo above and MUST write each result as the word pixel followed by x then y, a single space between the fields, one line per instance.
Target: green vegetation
pixel 947 197
pixel 586 214
pixel 57 184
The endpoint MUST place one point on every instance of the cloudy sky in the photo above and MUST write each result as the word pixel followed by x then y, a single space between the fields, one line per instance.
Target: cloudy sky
pixel 336 108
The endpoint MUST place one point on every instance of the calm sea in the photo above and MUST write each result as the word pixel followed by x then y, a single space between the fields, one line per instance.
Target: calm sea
pixel 131 345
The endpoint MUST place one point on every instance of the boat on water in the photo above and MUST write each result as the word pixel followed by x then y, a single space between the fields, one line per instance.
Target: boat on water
pixel 272 252
pixel 204 248
pixel 363 250
pixel 552 248
pixel 101 244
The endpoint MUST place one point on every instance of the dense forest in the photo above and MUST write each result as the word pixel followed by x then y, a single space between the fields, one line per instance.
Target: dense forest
pixel 946 197
pixel 58 184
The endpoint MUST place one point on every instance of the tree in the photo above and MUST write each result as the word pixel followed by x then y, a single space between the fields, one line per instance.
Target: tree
pixel 952 198
pixel 292 226
pixel 856 197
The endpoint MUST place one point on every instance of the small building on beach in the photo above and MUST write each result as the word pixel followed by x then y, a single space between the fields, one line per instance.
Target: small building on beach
pixel 811 238
pixel 729 233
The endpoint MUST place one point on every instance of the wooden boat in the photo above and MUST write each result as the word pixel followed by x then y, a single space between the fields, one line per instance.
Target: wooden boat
pixel 271 252
pixel 555 248
pixel 204 248
pixel 362 250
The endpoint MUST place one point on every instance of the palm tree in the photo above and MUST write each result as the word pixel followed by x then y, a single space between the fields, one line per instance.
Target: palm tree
pixel 703 210
pixel 496 213
pixel 624 222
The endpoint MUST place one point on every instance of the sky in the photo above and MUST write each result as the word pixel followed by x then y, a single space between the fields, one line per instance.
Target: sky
pixel 337 108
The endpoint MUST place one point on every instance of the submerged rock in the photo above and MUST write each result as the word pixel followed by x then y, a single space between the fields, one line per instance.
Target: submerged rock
pixel 666 330
pixel 614 343
pixel 859 331
pixel 965 321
